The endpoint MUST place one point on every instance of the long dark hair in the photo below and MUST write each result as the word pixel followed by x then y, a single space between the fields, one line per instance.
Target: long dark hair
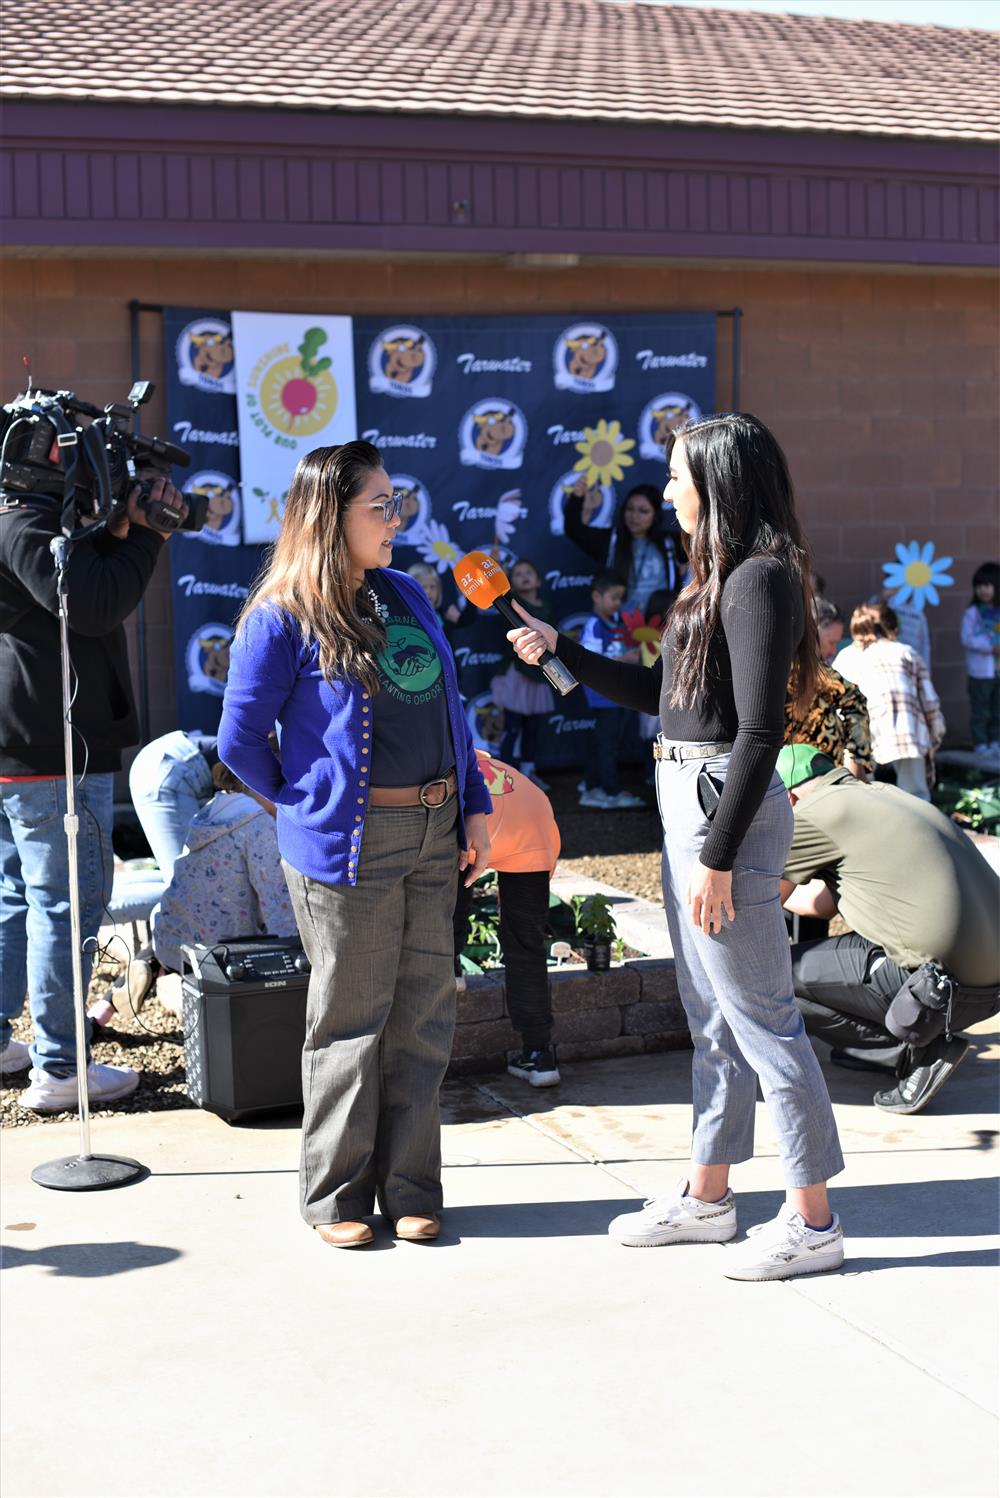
pixel 989 572
pixel 621 558
pixel 747 509
pixel 309 571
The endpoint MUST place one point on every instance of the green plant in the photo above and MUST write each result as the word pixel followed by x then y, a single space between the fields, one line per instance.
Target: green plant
pixel 482 945
pixel 595 920
pixel 964 798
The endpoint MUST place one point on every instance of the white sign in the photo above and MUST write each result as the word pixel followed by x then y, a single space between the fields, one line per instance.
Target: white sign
pixel 294 392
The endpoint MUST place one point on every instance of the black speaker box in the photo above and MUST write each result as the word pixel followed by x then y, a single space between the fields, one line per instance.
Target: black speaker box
pixel 244 1025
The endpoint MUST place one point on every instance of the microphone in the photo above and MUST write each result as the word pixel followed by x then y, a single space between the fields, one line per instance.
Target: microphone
pixel 484 583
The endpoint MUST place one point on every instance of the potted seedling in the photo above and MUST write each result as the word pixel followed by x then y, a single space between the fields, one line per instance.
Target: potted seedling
pixel 595 926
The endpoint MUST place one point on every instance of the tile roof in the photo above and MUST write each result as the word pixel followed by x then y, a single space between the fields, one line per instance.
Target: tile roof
pixel 602 60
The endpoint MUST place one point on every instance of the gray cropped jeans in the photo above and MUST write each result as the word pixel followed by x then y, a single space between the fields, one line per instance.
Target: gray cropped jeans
pixel 736 988
pixel 380 1017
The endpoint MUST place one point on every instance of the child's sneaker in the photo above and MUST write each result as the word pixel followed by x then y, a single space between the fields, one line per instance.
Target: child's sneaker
pixel 784 1248
pixel 624 801
pixel 676 1218
pixel 596 798
pixel 537 1067
pixel 105 1084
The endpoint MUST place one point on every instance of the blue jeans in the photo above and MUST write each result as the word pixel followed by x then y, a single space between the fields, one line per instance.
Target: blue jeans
pixel 605 745
pixel 35 945
pixel 169 781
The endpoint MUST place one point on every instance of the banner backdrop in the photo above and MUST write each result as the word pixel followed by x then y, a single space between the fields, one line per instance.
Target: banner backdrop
pixel 486 424
pixel 295 391
pixel 211 569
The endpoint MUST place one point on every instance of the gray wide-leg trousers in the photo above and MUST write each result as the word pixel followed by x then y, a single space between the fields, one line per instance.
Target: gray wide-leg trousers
pixel 380 1018
pixel 736 988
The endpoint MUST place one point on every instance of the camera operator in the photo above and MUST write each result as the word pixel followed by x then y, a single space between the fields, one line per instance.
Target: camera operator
pixel 921 960
pixel 106 576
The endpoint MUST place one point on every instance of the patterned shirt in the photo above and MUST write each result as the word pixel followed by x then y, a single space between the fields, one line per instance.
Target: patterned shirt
pixel 836 723
pixel 227 882
pixel 903 707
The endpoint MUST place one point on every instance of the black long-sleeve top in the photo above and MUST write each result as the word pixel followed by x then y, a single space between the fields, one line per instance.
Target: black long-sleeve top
pixel 105 580
pixel 761 620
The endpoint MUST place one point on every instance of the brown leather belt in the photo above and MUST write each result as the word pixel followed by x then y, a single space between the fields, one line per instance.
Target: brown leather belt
pixel 433 793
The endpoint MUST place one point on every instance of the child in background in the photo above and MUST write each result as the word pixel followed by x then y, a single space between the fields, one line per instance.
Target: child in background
pixel 981 639
pixel 427 577
pixel 907 724
pixel 522 690
pixel 603 634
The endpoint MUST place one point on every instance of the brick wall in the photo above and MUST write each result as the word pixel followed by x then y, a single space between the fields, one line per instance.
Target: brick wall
pixel 880 384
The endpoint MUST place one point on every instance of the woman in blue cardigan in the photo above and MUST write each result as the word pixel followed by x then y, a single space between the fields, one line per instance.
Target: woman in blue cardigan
pixel 380 804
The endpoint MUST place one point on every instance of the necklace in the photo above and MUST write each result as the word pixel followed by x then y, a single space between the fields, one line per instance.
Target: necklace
pixel 381 609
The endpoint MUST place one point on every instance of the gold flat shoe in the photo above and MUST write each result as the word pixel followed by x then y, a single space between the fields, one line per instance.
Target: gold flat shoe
pixel 345 1234
pixel 417 1229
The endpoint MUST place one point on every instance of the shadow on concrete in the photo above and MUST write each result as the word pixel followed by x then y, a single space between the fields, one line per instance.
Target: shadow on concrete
pixel 898 1209
pixel 90 1261
pixel 956 1258
pixel 573 1219
pixel 909 1209
pixel 663 1078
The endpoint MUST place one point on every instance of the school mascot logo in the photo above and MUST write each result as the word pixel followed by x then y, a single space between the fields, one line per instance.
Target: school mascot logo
pixel 205 357
pixel 492 434
pixel 295 393
pixel 401 362
pixel 486 722
pixel 598 501
pixel 585 359
pixel 416 508
pixel 572 625
pixel 222 525
pixel 207 658
pixel 663 415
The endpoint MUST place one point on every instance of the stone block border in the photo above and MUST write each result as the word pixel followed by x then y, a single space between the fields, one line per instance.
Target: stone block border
pixel 631 1009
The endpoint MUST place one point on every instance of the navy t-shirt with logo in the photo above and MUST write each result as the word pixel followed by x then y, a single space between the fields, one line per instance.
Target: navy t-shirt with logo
pixel 412 736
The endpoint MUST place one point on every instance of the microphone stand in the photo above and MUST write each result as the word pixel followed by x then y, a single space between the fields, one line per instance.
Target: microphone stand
pixel 85 1171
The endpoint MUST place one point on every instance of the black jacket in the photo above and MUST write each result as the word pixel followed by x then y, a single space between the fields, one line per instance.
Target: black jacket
pixel 105 580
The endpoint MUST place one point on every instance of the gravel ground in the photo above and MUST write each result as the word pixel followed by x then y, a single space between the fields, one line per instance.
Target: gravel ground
pixel 619 848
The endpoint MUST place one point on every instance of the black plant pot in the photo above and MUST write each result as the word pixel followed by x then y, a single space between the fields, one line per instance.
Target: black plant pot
pixel 598 955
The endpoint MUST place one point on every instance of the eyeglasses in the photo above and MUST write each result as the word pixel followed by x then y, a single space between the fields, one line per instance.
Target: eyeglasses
pixel 390 507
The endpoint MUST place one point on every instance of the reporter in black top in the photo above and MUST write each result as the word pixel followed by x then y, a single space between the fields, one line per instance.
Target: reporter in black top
pixel 732 639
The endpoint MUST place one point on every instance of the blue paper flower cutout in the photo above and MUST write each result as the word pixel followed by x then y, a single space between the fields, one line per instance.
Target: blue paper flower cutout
pixel 917 574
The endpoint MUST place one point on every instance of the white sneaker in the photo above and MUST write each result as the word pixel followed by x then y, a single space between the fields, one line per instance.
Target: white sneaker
pixel 14 1057
pixel 624 801
pixel 595 798
pixel 59 1095
pixel 785 1247
pixel 676 1218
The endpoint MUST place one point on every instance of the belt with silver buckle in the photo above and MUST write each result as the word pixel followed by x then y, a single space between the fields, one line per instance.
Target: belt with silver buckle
pixel 663 749
pixel 432 793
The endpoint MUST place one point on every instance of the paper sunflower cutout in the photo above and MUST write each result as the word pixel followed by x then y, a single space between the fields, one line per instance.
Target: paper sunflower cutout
pixel 509 511
pixel 917 575
pixel 605 453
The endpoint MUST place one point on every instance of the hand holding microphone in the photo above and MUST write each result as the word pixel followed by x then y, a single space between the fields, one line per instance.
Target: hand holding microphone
pixel 484 583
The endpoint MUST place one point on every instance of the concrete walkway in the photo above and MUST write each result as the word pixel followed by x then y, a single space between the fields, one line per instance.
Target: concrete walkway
pixel 188 1335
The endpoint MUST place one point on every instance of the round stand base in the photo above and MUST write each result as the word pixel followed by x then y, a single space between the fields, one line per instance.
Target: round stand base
pixel 88 1172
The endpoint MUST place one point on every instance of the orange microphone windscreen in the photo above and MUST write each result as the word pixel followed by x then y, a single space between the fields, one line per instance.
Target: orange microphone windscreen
pixel 480 578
